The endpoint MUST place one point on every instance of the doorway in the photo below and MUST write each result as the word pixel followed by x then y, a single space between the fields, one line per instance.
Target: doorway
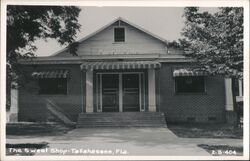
pixel 120 92
pixel 110 93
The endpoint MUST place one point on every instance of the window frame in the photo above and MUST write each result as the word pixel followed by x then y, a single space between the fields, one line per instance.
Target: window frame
pixel 116 27
pixel 191 93
pixel 58 94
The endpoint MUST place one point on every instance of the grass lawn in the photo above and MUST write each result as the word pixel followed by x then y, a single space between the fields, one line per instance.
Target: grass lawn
pixel 34 129
pixel 29 128
pixel 191 130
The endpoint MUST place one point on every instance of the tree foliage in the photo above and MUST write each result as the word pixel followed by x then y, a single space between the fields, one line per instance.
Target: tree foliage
pixel 26 24
pixel 215 41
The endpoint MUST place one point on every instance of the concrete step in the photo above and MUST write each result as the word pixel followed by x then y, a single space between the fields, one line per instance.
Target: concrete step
pixel 123 125
pixel 122 119
pixel 119 119
pixel 135 125
pixel 122 113
pixel 102 122
pixel 127 121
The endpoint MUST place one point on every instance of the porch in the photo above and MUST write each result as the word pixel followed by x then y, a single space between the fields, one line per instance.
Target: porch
pixel 120 94
pixel 119 86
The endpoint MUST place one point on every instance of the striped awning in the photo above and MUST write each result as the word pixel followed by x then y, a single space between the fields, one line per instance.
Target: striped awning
pixel 51 74
pixel 187 72
pixel 120 65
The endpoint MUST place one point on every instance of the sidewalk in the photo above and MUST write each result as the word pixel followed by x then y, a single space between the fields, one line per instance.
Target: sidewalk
pixel 124 141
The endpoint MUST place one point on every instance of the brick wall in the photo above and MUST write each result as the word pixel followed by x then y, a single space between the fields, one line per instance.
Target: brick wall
pixel 207 107
pixel 32 106
pixel 178 108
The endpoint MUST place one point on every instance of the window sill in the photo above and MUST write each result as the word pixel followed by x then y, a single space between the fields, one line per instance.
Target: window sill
pixel 181 94
pixel 52 94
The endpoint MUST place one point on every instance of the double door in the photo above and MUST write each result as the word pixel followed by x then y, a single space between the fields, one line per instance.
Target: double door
pixel 120 92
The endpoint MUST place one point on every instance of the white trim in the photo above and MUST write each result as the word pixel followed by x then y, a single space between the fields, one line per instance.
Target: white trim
pixel 89 91
pixel 97 94
pixel 13 108
pixel 108 25
pixel 228 95
pixel 141 95
pixel 144 30
pixel 82 90
pixel 140 98
pixel 240 88
pixel 151 90
pixel 120 93
pixel 119 42
pixel 126 21
pixel 161 58
pixel 239 98
pixel 100 92
pixel 144 91
pixel 88 36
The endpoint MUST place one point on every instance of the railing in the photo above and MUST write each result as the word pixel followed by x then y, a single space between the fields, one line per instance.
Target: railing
pixel 54 109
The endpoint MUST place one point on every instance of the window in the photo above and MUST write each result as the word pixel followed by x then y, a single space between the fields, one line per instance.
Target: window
pixel 190 84
pixel 119 34
pixel 53 86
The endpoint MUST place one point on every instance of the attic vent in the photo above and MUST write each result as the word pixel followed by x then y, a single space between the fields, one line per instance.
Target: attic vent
pixel 119 34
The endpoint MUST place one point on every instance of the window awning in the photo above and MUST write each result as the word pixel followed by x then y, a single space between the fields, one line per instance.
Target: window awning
pixel 187 72
pixel 51 74
pixel 121 65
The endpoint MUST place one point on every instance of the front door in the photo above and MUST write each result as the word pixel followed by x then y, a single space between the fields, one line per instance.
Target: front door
pixel 120 92
pixel 130 92
pixel 110 92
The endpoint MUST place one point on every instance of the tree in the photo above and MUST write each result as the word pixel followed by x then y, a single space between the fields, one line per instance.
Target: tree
pixel 26 24
pixel 215 41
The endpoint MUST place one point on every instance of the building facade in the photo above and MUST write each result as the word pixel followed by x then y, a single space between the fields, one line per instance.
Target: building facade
pixel 121 68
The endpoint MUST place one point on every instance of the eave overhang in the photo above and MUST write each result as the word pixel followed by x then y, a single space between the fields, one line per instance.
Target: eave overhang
pixel 79 59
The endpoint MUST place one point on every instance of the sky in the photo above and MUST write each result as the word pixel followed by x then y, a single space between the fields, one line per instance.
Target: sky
pixel 165 22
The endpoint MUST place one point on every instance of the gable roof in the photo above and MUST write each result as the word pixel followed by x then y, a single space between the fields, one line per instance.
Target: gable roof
pixel 111 23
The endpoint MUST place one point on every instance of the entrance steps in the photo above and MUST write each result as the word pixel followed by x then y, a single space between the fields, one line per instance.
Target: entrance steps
pixel 121 119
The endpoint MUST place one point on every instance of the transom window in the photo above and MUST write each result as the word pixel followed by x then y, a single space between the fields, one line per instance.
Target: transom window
pixel 119 34
pixel 190 84
pixel 53 86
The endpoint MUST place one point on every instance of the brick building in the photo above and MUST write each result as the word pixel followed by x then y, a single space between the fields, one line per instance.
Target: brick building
pixel 121 68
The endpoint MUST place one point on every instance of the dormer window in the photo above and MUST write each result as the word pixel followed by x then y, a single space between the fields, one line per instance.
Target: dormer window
pixel 119 34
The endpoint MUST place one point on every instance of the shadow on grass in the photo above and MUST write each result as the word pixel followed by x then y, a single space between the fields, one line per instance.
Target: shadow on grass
pixel 194 130
pixel 45 129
